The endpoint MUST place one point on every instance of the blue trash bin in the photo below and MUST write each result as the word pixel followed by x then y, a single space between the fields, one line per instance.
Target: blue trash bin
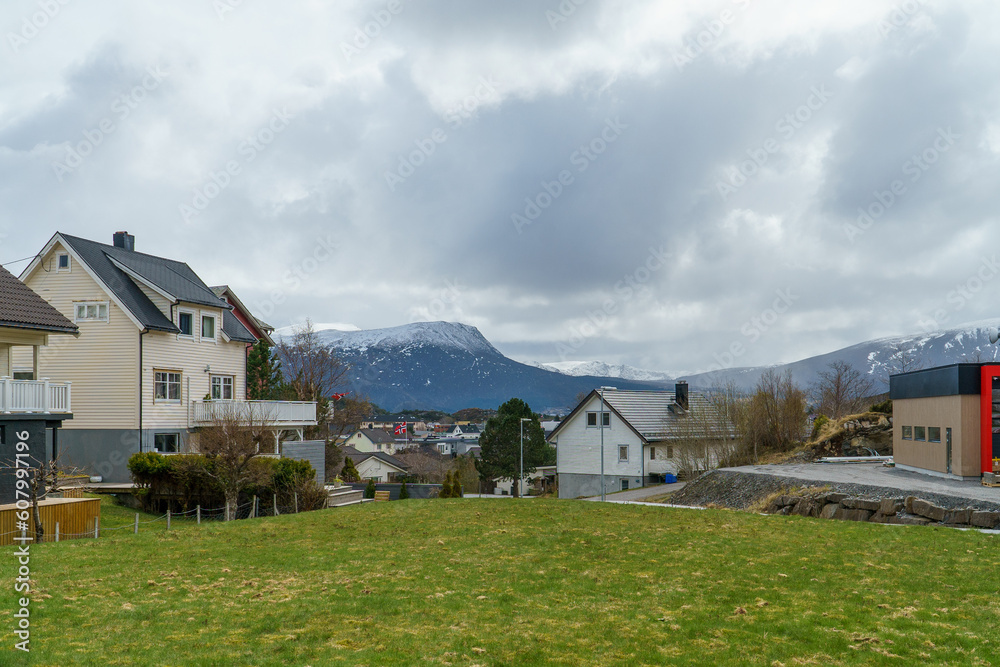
pixel 669 478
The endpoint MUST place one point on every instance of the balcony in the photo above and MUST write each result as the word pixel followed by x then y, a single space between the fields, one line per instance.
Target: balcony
pixel 279 414
pixel 34 397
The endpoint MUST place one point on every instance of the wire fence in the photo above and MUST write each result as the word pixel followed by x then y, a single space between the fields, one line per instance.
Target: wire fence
pixel 252 509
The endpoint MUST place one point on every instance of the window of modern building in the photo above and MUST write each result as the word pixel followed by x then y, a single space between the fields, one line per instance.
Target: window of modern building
pixel 919 433
pixel 933 434
pixel 907 433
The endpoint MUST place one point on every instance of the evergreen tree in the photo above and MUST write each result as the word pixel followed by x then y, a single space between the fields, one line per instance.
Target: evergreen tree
pixel 370 489
pixel 445 487
pixel 349 473
pixel 404 492
pixel 264 379
pixel 500 444
pixel 456 485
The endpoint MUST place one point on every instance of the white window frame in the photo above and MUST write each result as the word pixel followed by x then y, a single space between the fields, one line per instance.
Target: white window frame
pixel 620 448
pixel 215 327
pixel 193 314
pixel 97 306
pixel 222 387
pixel 167 382
pixel 177 446
pixel 69 263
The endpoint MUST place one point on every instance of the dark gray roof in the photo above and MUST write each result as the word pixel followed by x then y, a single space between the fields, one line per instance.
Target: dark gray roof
pixel 377 435
pixel 358 457
pixel 233 328
pixel 174 278
pixel 22 308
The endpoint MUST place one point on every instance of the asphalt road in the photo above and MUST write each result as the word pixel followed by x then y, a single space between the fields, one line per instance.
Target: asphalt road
pixel 911 483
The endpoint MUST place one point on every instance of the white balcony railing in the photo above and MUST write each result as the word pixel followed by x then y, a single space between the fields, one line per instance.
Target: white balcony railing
pixel 34 396
pixel 278 413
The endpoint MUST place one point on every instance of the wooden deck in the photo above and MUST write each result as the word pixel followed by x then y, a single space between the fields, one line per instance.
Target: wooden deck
pixel 75 516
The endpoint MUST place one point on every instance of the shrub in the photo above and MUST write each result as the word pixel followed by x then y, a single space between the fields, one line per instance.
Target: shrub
pixel 885 407
pixel 148 467
pixel 349 473
pixel 370 489
pixel 818 424
pixel 404 492
pixel 445 491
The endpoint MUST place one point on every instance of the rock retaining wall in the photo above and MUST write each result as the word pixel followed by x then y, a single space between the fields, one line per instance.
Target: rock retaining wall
pixel 909 511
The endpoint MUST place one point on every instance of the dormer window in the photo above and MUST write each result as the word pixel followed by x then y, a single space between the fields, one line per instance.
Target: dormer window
pixel 185 322
pixel 208 327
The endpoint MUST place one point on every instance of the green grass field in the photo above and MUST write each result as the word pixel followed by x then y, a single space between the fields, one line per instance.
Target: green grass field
pixel 504 582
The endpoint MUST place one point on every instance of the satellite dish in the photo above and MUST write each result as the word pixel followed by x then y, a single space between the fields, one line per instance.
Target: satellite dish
pixel 994 336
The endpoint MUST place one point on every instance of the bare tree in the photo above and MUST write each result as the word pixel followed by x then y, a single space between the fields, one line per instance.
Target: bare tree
pixel 426 465
pixel 233 441
pixel 842 390
pixel 314 370
pixel 40 479
pixel 771 419
pixel 903 359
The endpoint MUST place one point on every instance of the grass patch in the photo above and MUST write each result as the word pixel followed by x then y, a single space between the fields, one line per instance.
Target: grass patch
pixel 545 582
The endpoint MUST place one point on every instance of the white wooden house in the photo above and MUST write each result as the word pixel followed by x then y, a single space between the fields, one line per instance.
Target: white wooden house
pixel 372 440
pixel 646 434
pixel 157 354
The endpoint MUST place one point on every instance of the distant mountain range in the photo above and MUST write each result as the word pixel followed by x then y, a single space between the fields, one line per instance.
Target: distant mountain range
pixel 449 366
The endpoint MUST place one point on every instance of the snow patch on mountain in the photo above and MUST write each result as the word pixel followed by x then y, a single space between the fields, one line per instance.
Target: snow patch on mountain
pixel 602 369
pixel 448 335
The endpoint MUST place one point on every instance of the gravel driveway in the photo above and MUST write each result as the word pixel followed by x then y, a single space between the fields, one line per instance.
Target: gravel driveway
pixel 643 493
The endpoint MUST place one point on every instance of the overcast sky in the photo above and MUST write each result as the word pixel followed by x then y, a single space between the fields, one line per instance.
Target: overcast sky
pixel 627 181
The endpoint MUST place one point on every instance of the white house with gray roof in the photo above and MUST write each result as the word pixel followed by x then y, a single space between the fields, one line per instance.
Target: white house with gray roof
pixel 644 432
pixel 157 354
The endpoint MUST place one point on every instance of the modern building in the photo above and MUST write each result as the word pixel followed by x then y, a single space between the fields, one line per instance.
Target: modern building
pixel 946 420
pixel 646 435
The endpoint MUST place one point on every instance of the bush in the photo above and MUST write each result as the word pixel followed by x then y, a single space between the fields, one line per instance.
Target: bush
pixel 370 489
pixel 349 473
pixel 885 407
pixel 818 424
pixel 445 491
pixel 148 467
pixel 404 492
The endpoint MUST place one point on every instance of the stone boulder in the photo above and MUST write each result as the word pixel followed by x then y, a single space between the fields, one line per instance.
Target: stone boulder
pixel 926 509
pixel 985 519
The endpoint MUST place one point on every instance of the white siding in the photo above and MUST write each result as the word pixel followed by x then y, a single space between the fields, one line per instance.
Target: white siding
pixel 578 447
pixel 189 357
pixel 373 467
pixel 102 363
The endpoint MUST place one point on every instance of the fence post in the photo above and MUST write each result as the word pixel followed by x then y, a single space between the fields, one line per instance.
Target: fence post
pixel 136 531
pixel 227 511
pixel 254 507
pixel 97 527
pixel 275 499
pixel 168 518
pixel 296 502
pixel 199 515
pixel 57 531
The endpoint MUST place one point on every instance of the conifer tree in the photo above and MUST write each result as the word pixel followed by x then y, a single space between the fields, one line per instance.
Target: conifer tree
pixel 446 487
pixel 370 489
pixel 404 492
pixel 349 473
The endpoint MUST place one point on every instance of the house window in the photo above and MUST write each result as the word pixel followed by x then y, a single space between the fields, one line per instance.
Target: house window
pixel 24 375
pixel 624 485
pixel 92 311
pixel 167 386
pixel 623 453
pixel 222 388
pixel 670 451
pixel 919 433
pixel 185 322
pixel 652 453
pixel 907 433
pixel 208 327
pixel 62 262
pixel 933 434
pixel 592 419
pixel 165 442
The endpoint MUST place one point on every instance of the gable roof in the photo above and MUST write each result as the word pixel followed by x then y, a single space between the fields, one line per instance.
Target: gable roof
pixel 377 435
pixel 650 414
pixel 22 308
pixel 236 330
pixel 263 328
pixel 359 457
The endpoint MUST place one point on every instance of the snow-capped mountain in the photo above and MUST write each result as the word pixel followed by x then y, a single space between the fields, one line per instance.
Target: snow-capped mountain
pixel 604 370
pixel 449 366
pixel 879 358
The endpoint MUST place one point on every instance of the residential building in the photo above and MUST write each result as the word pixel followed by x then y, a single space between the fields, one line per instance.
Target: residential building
pixel 260 329
pixel 646 435
pixel 379 466
pixel 372 440
pixel 32 407
pixel 946 420
pixel 158 356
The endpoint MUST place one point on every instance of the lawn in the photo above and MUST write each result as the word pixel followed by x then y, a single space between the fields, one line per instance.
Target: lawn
pixel 532 582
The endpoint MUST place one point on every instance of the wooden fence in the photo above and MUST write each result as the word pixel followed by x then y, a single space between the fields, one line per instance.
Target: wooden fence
pixel 76 518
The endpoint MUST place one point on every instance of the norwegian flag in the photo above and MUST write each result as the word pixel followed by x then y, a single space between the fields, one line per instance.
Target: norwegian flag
pixel 400 429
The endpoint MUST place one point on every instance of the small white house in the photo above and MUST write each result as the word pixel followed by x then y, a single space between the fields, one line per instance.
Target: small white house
pixel 375 465
pixel 372 440
pixel 645 435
